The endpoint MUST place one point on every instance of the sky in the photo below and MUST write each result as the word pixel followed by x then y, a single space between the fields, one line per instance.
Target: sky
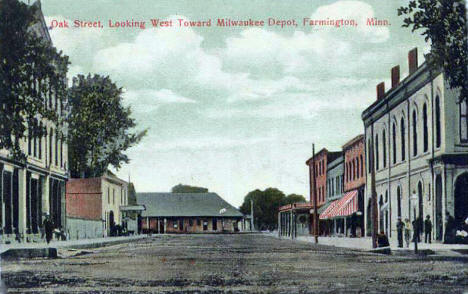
pixel 236 109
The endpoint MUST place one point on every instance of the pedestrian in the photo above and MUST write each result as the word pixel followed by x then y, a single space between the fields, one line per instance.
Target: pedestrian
pixel 400 227
pixel 382 240
pixel 48 228
pixel 407 232
pixel 427 229
pixel 449 237
pixel 416 230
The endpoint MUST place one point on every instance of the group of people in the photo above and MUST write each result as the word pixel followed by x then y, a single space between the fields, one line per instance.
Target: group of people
pixel 417 227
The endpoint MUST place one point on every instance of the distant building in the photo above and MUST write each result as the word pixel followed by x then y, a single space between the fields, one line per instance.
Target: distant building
pixel 188 213
pixel 31 191
pixel 93 206
pixel 335 190
pixel 416 136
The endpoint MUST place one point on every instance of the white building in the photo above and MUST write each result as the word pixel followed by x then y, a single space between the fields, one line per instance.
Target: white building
pixel 420 136
pixel 29 191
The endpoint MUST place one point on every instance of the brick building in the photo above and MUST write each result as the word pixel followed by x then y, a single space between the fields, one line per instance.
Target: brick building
pixel 188 213
pixel 322 159
pixel 29 191
pixel 93 206
pixel 416 136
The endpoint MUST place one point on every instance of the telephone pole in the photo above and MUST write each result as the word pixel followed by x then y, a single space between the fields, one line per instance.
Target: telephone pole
pixel 314 193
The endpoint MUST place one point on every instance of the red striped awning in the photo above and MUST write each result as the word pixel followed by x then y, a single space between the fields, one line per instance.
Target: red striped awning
pixel 326 214
pixel 345 206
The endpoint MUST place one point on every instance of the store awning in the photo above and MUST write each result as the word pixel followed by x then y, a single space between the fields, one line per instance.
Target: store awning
pixel 343 207
pixel 326 214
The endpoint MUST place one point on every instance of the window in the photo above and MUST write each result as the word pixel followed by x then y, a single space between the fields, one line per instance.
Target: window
pixel 35 126
pixel 190 222
pixel 415 134
pixel 29 139
pixel 369 152
pixel 108 195
pixel 61 153
pixel 56 148
pixel 464 121
pixel 113 196
pixel 40 142
pixel 394 143
pixel 425 132
pixel 437 121
pixel 376 152
pixel 362 165
pixel 353 170
pixel 51 139
pixel 402 136
pixel 198 222
pixel 384 151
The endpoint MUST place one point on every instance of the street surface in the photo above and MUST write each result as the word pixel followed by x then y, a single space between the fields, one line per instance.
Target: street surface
pixel 231 264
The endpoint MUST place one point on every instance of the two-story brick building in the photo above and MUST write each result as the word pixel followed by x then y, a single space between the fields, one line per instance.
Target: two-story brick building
pixel 31 190
pixel 93 206
pixel 416 136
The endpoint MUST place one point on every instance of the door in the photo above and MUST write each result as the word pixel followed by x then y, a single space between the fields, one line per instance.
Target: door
pixel 461 200
pixel 438 208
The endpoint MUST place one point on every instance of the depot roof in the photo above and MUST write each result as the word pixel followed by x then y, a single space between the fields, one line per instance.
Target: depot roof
pixel 186 204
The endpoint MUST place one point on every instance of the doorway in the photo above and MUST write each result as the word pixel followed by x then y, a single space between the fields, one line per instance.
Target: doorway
pixel 461 200
pixel 215 224
pixel 438 208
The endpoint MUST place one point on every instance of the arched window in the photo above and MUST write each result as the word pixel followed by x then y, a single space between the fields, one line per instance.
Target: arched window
pixel 362 166
pixel 415 134
pixel 376 152
pixel 437 121
pixel 425 132
pixel 356 175
pixel 369 152
pixel 402 136
pixel 394 143
pixel 384 151
pixel 464 121
pixel 353 170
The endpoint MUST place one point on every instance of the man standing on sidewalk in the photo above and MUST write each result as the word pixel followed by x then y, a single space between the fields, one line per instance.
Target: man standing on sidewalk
pixel 427 229
pixel 49 228
pixel 407 232
pixel 400 227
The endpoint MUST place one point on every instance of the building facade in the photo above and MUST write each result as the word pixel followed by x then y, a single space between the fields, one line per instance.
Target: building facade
pixel 93 206
pixel 319 171
pixel 188 213
pixel 416 138
pixel 335 190
pixel 33 189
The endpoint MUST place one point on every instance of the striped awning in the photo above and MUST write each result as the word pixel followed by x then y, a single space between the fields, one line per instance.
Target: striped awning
pixel 343 207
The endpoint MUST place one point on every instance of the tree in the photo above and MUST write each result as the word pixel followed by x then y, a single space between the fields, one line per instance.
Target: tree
pixel 266 204
pixel 100 126
pixel 132 200
pixel 31 72
pixel 188 189
pixel 294 198
pixel 443 22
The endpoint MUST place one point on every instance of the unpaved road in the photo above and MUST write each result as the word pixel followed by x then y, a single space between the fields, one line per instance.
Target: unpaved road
pixel 231 264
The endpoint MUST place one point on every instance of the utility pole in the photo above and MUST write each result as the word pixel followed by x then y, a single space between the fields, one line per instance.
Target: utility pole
pixel 314 193
pixel 373 191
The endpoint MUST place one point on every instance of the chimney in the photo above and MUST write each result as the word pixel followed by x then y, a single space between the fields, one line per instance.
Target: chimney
pixel 380 90
pixel 413 60
pixel 395 76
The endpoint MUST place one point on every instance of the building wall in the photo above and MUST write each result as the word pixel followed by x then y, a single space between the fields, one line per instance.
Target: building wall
pixel 114 195
pixel 190 225
pixel 28 208
pixel 354 165
pixel 320 177
pixel 399 178
pixel 335 179
pixel 78 228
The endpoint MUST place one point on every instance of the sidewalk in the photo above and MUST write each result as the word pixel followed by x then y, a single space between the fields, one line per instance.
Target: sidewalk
pixel 28 250
pixel 365 244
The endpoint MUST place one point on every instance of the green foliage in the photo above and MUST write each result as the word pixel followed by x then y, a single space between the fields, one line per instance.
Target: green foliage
pixel 266 204
pixel 30 70
pixel 188 189
pixel 294 198
pixel 443 22
pixel 100 126
pixel 131 194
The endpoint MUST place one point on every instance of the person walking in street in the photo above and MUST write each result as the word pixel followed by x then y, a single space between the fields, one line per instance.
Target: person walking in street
pixel 400 227
pixel 48 228
pixel 407 232
pixel 427 229
pixel 449 229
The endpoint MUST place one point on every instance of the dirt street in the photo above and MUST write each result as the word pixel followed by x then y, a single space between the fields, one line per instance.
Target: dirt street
pixel 231 264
